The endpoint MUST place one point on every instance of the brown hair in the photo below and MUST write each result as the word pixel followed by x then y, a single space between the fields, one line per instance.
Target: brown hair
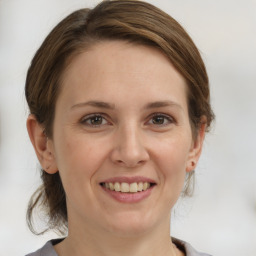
pixel 134 21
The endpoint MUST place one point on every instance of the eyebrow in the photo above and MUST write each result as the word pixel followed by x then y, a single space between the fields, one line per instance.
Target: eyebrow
pixel 98 104
pixel 160 104
pixel 101 104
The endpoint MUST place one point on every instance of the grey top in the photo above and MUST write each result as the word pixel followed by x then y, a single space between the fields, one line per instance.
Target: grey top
pixel 48 250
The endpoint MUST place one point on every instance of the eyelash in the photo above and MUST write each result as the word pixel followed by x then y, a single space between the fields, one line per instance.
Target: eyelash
pixel 87 118
pixel 91 117
pixel 169 119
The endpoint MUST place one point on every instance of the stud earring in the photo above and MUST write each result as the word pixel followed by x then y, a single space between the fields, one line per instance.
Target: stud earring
pixel 193 163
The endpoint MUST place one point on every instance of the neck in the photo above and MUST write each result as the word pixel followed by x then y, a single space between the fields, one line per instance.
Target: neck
pixel 89 241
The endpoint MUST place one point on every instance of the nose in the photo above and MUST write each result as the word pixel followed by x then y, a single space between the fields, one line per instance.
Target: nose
pixel 129 148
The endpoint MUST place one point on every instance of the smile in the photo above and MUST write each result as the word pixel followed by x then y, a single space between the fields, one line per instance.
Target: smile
pixel 125 187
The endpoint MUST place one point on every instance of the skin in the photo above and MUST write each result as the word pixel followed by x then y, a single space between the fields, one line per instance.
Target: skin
pixel 133 136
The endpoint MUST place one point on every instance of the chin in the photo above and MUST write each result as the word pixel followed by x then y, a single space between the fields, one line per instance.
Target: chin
pixel 131 224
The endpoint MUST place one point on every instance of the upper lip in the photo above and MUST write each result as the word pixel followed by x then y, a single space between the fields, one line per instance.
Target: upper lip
pixel 128 180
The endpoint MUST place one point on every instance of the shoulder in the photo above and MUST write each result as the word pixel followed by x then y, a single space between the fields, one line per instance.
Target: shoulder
pixel 47 249
pixel 187 248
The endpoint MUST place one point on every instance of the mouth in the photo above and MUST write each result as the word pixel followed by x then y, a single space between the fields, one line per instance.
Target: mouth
pixel 125 187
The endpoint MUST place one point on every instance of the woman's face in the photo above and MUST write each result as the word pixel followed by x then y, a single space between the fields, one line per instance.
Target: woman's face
pixel 122 123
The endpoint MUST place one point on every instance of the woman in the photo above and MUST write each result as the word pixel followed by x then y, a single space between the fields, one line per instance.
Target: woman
pixel 119 103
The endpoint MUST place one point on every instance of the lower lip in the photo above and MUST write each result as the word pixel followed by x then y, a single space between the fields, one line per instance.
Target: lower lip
pixel 129 197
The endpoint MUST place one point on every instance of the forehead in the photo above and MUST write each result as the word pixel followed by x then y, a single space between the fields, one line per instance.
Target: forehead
pixel 114 66
pixel 110 56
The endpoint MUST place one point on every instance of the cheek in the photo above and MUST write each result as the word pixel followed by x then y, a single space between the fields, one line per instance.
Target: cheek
pixel 173 152
pixel 171 158
pixel 79 158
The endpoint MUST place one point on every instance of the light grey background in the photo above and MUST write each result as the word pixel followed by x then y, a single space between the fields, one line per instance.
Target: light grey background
pixel 221 217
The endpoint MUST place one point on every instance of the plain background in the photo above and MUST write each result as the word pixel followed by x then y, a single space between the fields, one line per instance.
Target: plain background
pixel 221 217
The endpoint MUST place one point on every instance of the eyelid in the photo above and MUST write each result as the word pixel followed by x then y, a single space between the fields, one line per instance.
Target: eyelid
pixel 167 116
pixel 89 116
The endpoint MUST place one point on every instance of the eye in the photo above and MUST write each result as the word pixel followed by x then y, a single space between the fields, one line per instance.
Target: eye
pixel 94 120
pixel 161 120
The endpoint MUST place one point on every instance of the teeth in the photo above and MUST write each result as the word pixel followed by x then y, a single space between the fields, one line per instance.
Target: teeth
pixel 140 186
pixel 117 186
pixel 111 186
pixel 146 185
pixel 126 187
pixel 133 187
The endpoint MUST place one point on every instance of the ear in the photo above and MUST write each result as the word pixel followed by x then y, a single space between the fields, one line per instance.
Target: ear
pixel 196 147
pixel 42 145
